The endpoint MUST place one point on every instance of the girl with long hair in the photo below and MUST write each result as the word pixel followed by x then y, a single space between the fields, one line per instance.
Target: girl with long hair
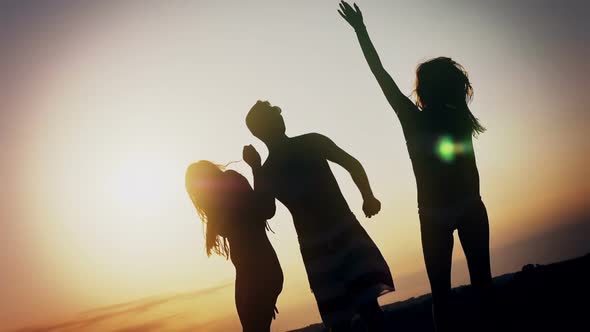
pixel 438 130
pixel 234 220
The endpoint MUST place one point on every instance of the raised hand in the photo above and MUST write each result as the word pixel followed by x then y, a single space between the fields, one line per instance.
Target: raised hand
pixel 251 156
pixel 371 206
pixel 353 16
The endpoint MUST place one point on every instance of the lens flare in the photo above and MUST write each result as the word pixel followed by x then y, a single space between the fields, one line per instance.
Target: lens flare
pixel 445 149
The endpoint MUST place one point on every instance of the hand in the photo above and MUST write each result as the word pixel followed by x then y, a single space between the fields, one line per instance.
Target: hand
pixel 353 16
pixel 251 156
pixel 371 206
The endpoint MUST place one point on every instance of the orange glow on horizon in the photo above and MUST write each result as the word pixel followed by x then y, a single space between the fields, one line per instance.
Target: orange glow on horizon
pixel 129 97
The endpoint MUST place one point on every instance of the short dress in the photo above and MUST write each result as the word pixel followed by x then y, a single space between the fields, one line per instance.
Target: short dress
pixel 344 267
pixel 345 270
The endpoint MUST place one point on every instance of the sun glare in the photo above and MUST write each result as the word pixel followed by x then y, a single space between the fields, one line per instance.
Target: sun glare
pixel 139 186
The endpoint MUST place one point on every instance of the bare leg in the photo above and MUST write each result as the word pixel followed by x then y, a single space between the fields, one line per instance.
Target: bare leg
pixel 257 321
pixel 474 233
pixel 255 311
pixel 437 246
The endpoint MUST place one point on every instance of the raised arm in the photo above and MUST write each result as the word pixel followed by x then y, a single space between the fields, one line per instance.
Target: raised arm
pixel 398 101
pixel 333 153
pixel 265 200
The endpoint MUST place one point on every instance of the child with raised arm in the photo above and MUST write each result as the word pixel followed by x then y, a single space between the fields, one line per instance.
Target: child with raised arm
pixel 438 130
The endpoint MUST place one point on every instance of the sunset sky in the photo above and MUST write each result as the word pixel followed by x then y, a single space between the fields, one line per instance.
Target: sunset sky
pixel 104 105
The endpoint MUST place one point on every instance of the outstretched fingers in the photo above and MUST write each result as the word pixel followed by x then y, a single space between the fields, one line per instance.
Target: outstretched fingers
pixel 342 11
pixel 347 6
pixel 342 14
pixel 352 15
pixel 358 10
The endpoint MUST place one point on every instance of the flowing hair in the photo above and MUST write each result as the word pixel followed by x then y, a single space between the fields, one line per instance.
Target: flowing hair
pixel 215 243
pixel 206 202
pixel 442 82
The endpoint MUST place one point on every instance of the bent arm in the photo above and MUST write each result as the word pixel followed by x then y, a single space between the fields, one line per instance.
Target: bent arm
pixel 335 154
pixel 264 199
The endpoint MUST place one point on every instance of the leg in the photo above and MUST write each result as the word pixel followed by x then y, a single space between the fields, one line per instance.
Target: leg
pixel 255 309
pixel 373 316
pixel 258 319
pixel 437 246
pixel 474 233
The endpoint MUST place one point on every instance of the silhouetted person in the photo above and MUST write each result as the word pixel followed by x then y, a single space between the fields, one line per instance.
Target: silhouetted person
pixel 438 132
pixel 235 218
pixel 345 269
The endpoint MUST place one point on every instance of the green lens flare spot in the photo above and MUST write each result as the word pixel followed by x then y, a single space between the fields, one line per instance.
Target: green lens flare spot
pixel 445 149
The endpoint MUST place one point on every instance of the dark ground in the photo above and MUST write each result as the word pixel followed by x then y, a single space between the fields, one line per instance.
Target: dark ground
pixel 552 297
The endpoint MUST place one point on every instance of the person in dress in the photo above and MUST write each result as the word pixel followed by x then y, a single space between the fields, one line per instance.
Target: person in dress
pixel 345 269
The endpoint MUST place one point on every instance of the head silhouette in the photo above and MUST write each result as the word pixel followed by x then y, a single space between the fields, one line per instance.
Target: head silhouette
pixel 265 121
pixel 205 183
pixel 442 83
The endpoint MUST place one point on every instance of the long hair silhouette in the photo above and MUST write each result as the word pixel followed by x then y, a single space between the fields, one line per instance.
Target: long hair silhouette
pixel 439 131
pixel 200 182
pixel 234 223
pixel 442 82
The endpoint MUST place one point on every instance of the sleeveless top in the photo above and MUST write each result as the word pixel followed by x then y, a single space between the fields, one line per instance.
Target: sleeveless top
pixel 443 160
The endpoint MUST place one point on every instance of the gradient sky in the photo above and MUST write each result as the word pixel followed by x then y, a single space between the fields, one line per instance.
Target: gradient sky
pixel 103 105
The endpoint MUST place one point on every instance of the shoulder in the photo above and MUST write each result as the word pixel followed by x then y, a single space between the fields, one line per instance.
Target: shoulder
pixel 412 119
pixel 410 112
pixel 313 139
pixel 237 177
pixel 314 144
pixel 234 174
